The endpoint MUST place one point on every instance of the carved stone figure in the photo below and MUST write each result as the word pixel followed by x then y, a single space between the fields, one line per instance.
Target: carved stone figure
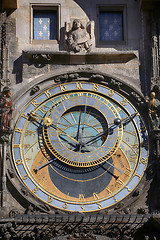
pixel 155 57
pixel 79 38
pixel 152 104
pixel 6 109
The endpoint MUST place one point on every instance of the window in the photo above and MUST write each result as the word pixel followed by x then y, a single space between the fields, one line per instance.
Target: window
pixel 112 25
pixel 45 23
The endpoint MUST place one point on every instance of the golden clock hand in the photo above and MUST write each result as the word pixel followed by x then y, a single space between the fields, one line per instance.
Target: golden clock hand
pixel 57 128
pixel 65 140
pixel 49 122
pixel 33 116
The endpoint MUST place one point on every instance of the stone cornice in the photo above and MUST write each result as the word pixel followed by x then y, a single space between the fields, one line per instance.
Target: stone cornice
pixel 63 57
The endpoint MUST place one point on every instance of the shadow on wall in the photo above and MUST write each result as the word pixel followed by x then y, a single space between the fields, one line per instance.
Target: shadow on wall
pixel 17 69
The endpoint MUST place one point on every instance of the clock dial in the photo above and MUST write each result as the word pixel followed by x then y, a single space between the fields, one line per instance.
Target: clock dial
pixel 80 146
pixel 79 134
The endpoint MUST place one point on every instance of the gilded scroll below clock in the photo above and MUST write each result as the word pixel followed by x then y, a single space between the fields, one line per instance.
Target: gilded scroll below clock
pixel 80 146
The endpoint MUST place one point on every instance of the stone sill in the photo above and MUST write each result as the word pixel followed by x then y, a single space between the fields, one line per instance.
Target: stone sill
pixel 63 57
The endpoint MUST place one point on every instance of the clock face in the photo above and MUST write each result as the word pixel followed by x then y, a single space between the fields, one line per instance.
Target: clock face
pixel 80 146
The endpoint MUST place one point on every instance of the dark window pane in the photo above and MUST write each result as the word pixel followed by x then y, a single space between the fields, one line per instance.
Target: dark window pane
pixel 111 26
pixel 45 25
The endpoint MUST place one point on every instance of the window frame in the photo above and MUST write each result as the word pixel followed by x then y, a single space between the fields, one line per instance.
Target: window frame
pixel 42 7
pixel 111 8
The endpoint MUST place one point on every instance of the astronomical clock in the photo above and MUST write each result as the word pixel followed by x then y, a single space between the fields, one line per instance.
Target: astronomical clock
pixel 80 146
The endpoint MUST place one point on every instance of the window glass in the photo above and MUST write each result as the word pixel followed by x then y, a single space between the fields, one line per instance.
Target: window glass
pixel 111 26
pixel 44 25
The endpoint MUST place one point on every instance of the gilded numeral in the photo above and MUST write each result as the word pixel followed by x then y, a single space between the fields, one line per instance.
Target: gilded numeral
pixel 58 146
pixel 99 205
pixel 24 115
pixel 35 104
pixel 42 110
pixel 75 100
pixel 67 155
pixel 18 130
pixel 48 94
pixel 82 207
pixel 129 190
pixel 120 181
pixel 28 133
pixel 144 144
pixel 63 88
pixel 16 145
pixel 65 205
pixel 80 94
pixel 124 102
pixel 136 146
pixel 35 189
pixel 26 145
pixel 109 191
pixel 95 87
pixel 79 85
pixel 25 177
pixel 81 197
pixel 142 129
pixel 95 196
pixel 18 162
pixel 115 199
pixel 132 158
pixel 50 199
pixel 52 134
pixel 98 104
pixel 110 92
pixel 82 158
pixel 127 171
pixel 65 97
pixel 143 160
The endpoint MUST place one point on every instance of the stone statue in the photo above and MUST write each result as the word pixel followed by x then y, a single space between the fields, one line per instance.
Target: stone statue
pixel 152 104
pixel 155 57
pixel 79 38
pixel 6 109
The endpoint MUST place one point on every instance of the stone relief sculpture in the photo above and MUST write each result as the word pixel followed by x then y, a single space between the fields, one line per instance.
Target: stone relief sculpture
pixel 153 109
pixel 6 109
pixel 155 57
pixel 79 38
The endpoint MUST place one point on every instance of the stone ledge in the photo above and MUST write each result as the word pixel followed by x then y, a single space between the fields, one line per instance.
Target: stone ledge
pixel 63 57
